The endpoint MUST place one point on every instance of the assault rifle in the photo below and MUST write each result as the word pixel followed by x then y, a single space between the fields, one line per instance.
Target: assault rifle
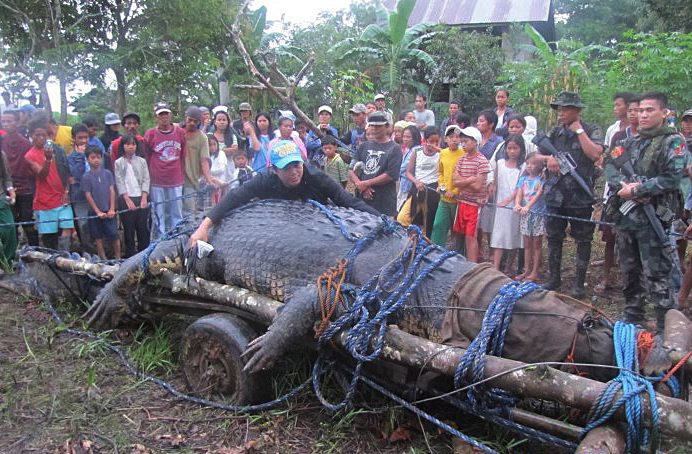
pixel 565 160
pixel 624 165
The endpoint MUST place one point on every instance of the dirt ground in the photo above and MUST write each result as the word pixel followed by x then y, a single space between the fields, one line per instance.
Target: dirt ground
pixel 60 394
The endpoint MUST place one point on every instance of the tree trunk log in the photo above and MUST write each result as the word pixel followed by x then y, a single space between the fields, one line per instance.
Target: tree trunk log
pixel 121 88
pixel 602 440
pixel 63 98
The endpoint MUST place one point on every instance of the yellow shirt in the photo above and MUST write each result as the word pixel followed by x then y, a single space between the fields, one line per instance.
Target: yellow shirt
pixel 63 138
pixel 448 162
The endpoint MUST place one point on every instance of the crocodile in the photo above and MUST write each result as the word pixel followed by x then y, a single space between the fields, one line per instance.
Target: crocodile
pixel 279 249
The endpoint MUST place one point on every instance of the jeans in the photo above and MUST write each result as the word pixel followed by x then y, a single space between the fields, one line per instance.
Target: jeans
pixel 167 210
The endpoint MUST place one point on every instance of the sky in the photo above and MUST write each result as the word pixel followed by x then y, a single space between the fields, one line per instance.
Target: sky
pixel 298 12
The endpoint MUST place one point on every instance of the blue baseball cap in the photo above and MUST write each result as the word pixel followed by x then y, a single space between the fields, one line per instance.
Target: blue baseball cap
pixel 285 152
pixel 27 108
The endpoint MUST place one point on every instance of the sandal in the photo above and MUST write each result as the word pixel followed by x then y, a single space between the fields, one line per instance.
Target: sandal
pixel 519 277
pixel 602 288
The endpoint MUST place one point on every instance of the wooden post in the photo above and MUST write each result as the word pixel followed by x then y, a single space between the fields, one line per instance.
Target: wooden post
pixel 602 440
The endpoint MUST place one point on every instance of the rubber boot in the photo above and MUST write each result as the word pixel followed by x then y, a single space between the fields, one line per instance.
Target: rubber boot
pixel 64 243
pixel 554 264
pixel 583 257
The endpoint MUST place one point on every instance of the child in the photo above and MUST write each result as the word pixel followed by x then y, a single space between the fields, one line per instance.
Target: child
pixel 98 185
pixel 242 171
pixel 334 166
pixel 470 177
pixel 220 170
pixel 423 170
pixel 447 206
pixel 132 181
pixel 78 167
pixel 51 200
pixel 506 233
pixel 529 203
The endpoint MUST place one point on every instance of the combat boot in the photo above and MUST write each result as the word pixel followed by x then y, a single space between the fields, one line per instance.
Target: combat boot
pixel 583 257
pixel 578 290
pixel 554 264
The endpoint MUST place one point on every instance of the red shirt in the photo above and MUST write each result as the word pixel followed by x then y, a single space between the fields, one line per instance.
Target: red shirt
pixel 49 190
pixel 15 147
pixel 166 157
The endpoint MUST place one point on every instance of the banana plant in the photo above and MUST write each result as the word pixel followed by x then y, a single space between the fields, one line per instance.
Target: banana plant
pixel 391 48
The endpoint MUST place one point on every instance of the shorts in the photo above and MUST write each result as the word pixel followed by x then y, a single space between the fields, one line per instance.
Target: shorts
pixel 466 221
pixel 103 229
pixel 532 224
pixel 50 221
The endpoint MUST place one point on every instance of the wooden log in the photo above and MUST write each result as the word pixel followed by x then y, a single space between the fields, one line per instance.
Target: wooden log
pixel 100 271
pixel 677 336
pixel 539 382
pixel 602 440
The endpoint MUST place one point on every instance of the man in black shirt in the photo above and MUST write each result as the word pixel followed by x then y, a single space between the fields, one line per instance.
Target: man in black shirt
pixel 376 165
pixel 290 179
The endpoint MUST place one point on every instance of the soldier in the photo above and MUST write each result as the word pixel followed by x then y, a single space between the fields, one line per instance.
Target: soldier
pixel 563 195
pixel 658 155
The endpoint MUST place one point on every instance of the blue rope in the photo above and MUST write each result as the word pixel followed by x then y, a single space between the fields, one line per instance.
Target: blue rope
pixel 490 340
pixel 631 384
pixel 381 295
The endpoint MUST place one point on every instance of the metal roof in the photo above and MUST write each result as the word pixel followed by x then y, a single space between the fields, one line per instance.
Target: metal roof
pixel 459 12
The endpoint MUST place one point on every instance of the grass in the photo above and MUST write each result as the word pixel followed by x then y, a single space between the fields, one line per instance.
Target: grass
pixel 152 351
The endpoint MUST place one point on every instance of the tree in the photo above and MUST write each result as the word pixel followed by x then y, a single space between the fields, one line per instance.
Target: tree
pixel 674 15
pixel 37 40
pixel 596 21
pixel 392 49
pixel 470 62
pixel 570 67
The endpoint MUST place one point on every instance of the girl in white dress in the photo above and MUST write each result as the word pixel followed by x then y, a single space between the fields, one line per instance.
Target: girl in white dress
pixel 506 234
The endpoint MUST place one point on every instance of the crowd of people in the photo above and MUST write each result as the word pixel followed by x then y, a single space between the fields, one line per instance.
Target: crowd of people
pixel 481 186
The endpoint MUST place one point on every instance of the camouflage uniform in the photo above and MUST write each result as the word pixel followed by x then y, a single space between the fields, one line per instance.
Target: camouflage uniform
pixel 658 156
pixel 563 196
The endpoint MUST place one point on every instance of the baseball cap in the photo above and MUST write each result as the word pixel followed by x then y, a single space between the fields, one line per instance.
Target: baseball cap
pixel 204 109
pixel 325 109
pixel 244 106
pixel 219 109
pixel 402 124
pixel 131 115
pixel 27 108
pixel 111 118
pixel 284 152
pixel 194 113
pixel 471 132
pixel 161 107
pixel 379 96
pixel 454 128
pixel 687 113
pixel 358 108
pixel 377 118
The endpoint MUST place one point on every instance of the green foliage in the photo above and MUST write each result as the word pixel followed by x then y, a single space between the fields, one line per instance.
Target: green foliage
pixel 596 21
pixel 152 351
pixel 533 84
pixel 348 88
pixel 674 15
pixel 470 62
pixel 391 50
pixel 659 61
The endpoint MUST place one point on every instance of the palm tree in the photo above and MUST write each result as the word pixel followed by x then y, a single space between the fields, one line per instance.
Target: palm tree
pixel 392 47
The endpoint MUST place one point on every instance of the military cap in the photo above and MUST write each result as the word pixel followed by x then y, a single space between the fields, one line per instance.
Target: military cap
pixel 567 99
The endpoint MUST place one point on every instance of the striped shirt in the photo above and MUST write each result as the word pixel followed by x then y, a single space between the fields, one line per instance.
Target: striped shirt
pixel 470 166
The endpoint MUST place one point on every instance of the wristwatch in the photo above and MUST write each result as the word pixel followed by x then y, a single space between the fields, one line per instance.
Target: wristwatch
pixel 579 131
